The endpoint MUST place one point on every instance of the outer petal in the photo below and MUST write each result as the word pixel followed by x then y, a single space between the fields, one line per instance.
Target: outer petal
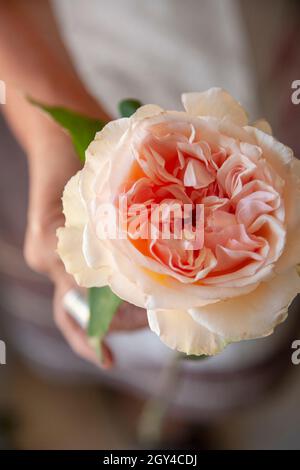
pixel 178 330
pixel 278 154
pixel 99 154
pixel 73 205
pixel 107 150
pixel 291 254
pixel 146 111
pixel 252 315
pixel 217 103
pixel 70 239
pixel 69 248
pixel 263 125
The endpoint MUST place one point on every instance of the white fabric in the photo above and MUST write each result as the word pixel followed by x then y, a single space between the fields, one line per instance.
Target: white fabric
pixel 154 50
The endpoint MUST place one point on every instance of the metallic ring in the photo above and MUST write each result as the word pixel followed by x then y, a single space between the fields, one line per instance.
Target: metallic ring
pixel 76 305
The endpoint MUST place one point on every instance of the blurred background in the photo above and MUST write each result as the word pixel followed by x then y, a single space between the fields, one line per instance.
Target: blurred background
pixel 247 399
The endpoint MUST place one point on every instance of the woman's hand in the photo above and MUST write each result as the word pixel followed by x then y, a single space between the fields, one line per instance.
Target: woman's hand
pixel 34 62
pixel 51 164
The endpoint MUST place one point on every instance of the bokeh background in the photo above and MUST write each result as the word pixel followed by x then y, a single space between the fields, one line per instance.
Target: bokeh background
pixel 50 399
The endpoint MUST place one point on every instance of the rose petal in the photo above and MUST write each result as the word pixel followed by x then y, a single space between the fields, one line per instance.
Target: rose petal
pixel 252 315
pixel 276 153
pixel 196 175
pixel 69 248
pixel 73 205
pixel 179 331
pixel 215 102
pixel 263 126
pixel 97 176
pixel 291 254
pixel 148 110
pixel 70 239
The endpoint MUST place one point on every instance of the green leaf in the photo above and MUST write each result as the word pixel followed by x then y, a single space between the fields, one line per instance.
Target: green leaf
pixel 103 304
pixel 82 129
pixel 128 107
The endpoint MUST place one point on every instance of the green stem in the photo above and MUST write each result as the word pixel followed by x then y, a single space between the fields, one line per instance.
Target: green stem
pixel 153 416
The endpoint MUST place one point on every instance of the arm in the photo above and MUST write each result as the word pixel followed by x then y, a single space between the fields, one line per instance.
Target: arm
pixel 33 60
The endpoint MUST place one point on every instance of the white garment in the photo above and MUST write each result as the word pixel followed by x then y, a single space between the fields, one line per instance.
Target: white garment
pixel 154 50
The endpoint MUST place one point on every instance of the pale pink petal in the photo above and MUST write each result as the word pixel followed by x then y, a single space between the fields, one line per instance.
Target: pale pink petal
pixel 196 175
pixel 252 315
pixel 179 331
pixel 263 126
pixel 215 102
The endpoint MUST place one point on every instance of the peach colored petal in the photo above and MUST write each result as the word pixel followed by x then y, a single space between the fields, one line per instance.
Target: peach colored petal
pixel 215 102
pixel 180 332
pixel 73 204
pixel 263 126
pixel 252 315
pixel 69 244
pixel 196 175
pixel 146 111
pixel 234 173
pixel 291 254
pixel 276 153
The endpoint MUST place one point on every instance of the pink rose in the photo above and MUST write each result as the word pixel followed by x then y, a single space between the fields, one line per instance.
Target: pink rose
pixel 238 278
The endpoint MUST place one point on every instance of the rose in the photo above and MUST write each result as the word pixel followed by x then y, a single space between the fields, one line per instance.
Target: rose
pixel 239 283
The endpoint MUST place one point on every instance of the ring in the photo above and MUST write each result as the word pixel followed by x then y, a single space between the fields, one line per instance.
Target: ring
pixel 76 306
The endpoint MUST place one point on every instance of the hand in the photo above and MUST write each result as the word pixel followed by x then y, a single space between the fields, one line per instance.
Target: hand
pixel 50 169
pixel 38 65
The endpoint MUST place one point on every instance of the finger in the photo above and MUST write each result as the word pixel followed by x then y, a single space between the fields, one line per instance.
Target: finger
pixel 128 318
pixel 77 337
pixel 41 241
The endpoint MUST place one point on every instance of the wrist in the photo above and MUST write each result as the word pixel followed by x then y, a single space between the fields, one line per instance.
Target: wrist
pixel 33 128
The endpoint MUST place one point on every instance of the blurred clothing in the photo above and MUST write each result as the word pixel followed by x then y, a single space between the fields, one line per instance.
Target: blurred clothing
pixel 156 50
